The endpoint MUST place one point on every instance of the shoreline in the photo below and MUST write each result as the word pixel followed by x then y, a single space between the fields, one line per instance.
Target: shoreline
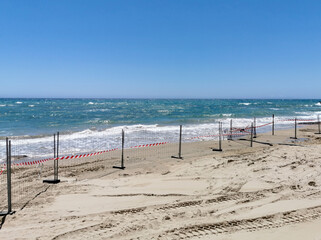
pixel 206 190
pixel 152 134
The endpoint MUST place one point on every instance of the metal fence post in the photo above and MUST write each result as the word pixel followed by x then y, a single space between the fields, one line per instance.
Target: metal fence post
pixel 55 180
pixel 9 178
pixel 272 124
pixel 8 169
pixel 252 135
pixel 220 135
pixel 179 144
pixel 295 128
pixel 56 159
pixel 122 151
pixel 254 129
pixel 55 156
pixel 220 124
pixel 122 148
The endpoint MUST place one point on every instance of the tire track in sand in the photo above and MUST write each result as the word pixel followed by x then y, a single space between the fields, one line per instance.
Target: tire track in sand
pixel 252 224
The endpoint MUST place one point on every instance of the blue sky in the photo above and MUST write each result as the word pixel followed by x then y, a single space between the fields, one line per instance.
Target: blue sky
pixel 160 48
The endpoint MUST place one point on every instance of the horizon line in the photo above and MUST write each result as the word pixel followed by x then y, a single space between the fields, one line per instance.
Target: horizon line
pixel 158 98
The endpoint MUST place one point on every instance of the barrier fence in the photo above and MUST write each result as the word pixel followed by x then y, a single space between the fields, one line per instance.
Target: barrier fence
pixel 26 174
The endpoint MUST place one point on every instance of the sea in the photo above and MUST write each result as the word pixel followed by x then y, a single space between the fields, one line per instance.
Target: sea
pixel 87 125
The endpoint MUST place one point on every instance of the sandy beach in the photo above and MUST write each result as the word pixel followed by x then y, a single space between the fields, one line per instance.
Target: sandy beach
pixel 160 120
pixel 269 191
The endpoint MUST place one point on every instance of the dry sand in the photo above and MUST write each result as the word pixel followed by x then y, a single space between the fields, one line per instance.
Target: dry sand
pixel 264 192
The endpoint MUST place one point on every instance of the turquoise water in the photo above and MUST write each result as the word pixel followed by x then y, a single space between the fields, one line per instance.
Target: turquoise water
pixel 89 125
pixel 45 116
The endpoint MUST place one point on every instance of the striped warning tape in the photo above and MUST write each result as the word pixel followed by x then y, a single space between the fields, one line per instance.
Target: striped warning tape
pixel 264 125
pixel 84 155
pixel 29 163
pixel 2 169
pixel 248 127
pixel 242 133
pixel 75 156
pixel 235 132
pixel 299 120
pixel 149 145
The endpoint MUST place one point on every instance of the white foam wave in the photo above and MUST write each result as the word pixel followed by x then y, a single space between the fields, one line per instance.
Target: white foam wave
pixel 97 103
pixel 246 104
pixel 31 105
pixel 18 102
pixel 318 104
pixel 3 105
pixel 91 140
pixel 303 113
pixel 163 111
pixel 98 110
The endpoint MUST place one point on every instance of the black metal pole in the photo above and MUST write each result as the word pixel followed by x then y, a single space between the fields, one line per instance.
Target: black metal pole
pixel 180 143
pixel 54 146
pixel 220 136
pixel 8 168
pixel 122 148
pixel 58 144
pixel 252 135
pixel 230 136
pixel 254 129
pixel 9 178
pixel 272 124
pixel 122 151
pixel 55 179
pixel 55 156
pixel 295 128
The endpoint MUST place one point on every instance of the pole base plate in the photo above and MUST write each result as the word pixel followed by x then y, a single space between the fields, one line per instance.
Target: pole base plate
pixel 122 168
pixel 217 150
pixel 176 157
pixel 51 181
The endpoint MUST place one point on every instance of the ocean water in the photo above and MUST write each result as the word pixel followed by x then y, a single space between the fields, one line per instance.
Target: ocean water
pixel 95 124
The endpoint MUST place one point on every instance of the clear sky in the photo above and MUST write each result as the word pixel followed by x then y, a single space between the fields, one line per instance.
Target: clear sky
pixel 160 48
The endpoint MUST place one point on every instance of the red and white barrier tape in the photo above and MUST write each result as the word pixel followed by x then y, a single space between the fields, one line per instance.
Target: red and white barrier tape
pixel 149 145
pixel 298 120
pixel 59 158
pixel 84 155
pixel 226 134
pixel 264 125
pixel 2 169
